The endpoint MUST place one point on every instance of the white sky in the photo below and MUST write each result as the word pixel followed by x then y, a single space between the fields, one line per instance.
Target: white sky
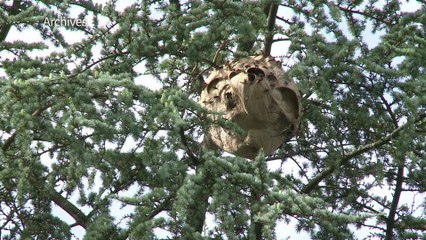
pixel 284 231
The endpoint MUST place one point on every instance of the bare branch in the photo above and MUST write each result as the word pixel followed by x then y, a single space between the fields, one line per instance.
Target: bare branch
pixel 281 39
pixel 285 20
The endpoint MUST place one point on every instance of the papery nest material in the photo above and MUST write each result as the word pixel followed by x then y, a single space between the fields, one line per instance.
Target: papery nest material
pixel 255 93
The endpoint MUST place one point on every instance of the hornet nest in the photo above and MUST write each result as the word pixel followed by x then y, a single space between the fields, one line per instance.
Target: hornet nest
pixel 255 93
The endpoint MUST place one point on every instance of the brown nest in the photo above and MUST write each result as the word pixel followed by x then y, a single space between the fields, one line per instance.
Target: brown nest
pixel 255 93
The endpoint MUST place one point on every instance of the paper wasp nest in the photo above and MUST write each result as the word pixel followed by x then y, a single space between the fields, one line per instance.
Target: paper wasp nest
pixel 254 93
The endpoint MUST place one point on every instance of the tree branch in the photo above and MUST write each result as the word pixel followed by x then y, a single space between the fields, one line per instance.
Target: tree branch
pixel 87 67
pixel 390 221
pixel 88 5
pixel 281 39
pixel 12 137
pixel 14 9
pixel 345 160
pixel 162 206
pixel 285 20
pixel 367 15
pixel 176 3
pixel 79 217
pixel 191 155
pixel 273 9
pixel 255 225
pixel 196 212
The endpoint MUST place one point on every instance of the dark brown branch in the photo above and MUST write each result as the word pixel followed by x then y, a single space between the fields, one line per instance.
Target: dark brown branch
pixel 390 221
pixel 163 206
pixel 367 207
pixel 79 217
pixel 345 160
pixel 285 20
pixel 413 189
pixel 220 49
pixel 14 9
pixel 367 15
pixel 281 39
pixel 273 9
pixel 97 62
pixel 4 31
pixel 389 109
pixel 191 155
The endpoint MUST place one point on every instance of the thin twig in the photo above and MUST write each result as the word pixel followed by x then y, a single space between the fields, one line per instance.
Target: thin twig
pixel 221 47
pixel 281 39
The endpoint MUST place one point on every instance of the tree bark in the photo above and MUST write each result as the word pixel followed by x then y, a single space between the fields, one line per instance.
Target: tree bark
pixel 390 221
pixel 14 9
pixel 273 9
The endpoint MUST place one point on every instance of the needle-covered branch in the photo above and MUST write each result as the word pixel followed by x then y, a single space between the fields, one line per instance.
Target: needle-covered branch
pixel 310 186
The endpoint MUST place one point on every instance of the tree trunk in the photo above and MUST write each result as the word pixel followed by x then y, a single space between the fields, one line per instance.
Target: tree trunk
pixel 390 222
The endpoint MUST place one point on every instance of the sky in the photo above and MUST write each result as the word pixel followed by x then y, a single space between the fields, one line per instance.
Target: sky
pixel 284 231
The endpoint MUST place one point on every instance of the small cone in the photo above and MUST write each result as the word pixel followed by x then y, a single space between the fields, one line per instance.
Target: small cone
pixel 254 93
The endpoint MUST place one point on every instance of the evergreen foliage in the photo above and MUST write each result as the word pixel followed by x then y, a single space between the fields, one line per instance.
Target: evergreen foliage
pixel 78 132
